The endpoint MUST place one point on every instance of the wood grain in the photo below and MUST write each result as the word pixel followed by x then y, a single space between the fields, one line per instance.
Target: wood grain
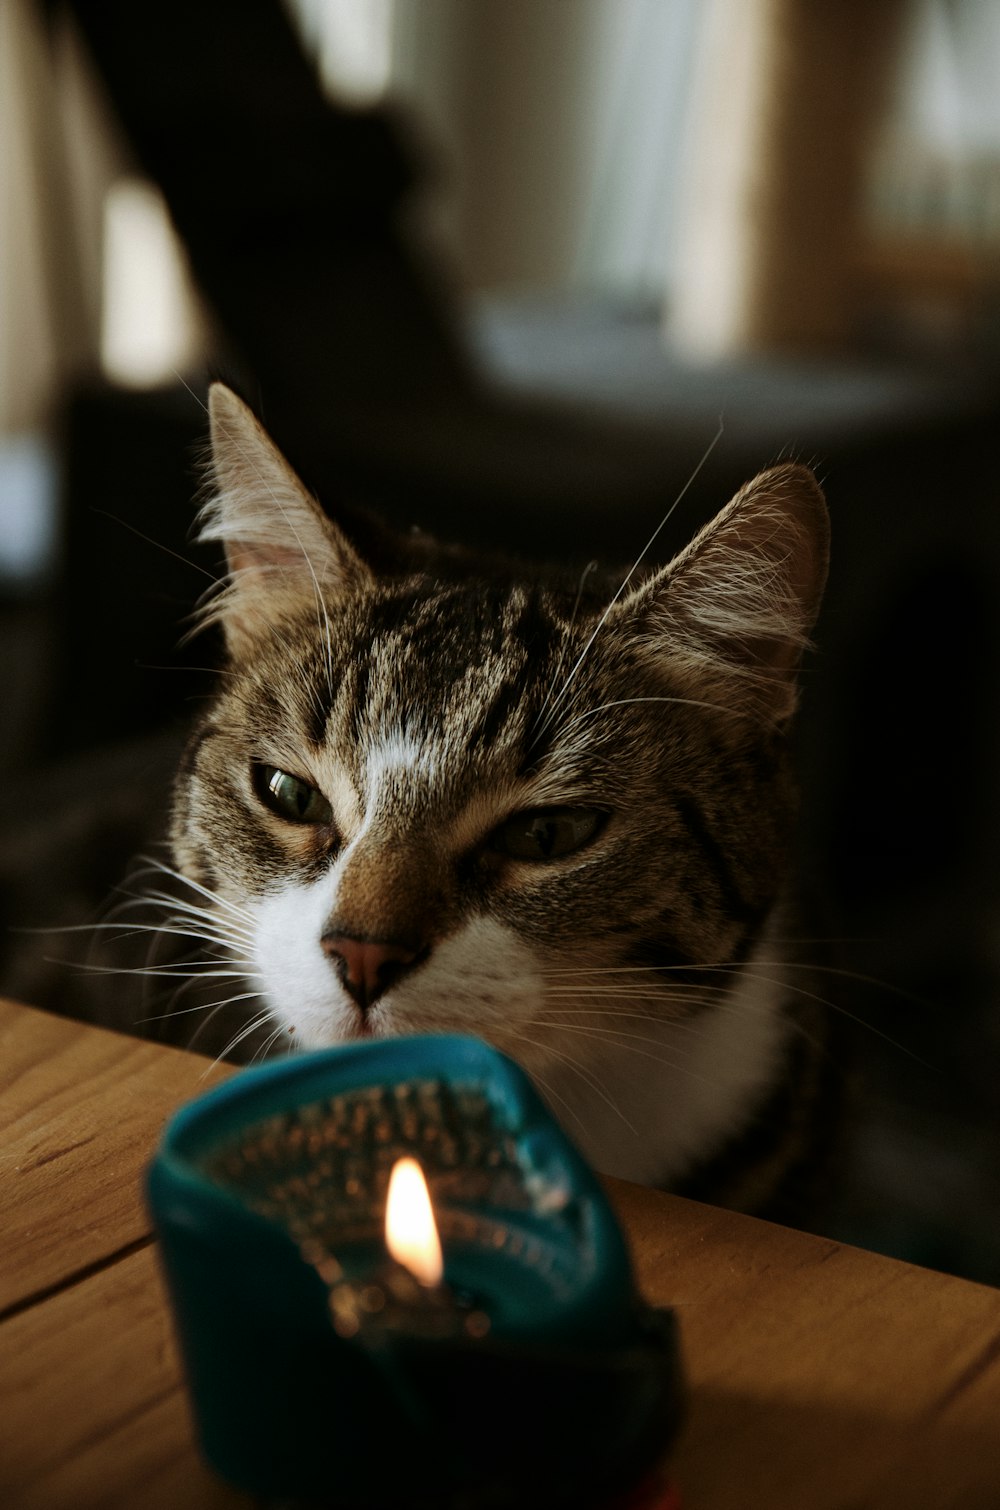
pixel 81 1111
pixel 94 1411
pixel 822 1378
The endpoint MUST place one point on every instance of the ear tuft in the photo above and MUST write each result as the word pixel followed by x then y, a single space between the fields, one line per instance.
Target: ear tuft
pixel 744 595
pixel 280 546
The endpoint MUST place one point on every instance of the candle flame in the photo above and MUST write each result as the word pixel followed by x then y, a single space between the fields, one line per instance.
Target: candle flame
pixel 411 1233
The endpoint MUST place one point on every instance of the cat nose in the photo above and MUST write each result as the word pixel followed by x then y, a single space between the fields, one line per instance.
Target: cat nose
pixel 368 967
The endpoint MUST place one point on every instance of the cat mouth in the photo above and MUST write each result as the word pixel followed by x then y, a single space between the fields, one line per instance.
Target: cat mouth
pixel 362 1027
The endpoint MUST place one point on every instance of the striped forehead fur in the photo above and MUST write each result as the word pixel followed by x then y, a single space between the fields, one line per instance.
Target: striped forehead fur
pixel 448 674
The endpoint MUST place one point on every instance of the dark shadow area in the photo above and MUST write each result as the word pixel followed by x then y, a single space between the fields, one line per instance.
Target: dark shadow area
pixel 777 1443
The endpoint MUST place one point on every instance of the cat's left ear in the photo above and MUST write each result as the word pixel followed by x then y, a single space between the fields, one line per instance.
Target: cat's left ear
pixel 744 595
pixel 280 545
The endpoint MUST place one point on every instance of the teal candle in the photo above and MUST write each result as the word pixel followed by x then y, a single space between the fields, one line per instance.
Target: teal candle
pixel 322 1368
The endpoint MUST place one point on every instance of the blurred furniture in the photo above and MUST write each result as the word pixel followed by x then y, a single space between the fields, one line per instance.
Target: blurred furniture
pixel 787 100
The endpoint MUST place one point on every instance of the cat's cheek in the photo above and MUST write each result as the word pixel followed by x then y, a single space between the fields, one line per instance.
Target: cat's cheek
pixel 483 980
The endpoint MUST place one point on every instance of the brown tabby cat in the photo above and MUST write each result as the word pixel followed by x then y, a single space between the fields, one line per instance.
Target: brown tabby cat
pixel 441 800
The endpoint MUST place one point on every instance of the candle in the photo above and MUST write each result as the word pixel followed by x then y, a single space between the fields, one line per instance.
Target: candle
pixel 406 1294
pixel 397 1282
pixel 411 1234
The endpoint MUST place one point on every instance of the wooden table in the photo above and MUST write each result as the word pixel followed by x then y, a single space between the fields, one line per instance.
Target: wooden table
pixel 822 1378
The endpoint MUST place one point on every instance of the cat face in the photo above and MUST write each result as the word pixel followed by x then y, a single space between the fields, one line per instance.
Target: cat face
pixel 495 807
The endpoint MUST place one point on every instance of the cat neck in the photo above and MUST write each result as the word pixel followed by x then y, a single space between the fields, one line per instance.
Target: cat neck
pixel 654 1105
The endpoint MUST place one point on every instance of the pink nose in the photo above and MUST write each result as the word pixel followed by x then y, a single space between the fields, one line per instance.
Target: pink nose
pixel 368 967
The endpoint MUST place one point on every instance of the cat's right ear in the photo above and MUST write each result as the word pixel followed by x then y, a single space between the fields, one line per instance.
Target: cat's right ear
pixel 281 548
pixel 742 598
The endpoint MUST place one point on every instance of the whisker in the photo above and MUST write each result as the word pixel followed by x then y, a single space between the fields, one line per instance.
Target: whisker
pixel 549 1090
pixel 587 570
pixel 268 1044
pixel 586 1075
pixel 804 994
pixel 212 1007
pixel 150 865
pixel 625 702
pixel 120 930
pixel 245 1031
pixel 156 544
pixel 213 1012
pixel 555 1013
pixel 627 579
pixel 738 970
pixel 627 1041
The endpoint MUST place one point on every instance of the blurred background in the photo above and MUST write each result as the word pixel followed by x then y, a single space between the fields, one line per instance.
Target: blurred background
pixel 498 268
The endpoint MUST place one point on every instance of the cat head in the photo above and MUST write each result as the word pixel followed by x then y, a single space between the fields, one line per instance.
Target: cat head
pixel 428 802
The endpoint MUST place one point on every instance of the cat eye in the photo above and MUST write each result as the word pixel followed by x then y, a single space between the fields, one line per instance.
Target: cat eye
pixel 291 797
pixel 546 833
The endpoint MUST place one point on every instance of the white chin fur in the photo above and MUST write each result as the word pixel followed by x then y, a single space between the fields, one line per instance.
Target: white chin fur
pixel 644 1106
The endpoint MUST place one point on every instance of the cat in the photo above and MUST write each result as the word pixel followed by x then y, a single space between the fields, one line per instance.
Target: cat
pixel 435 792
pixel 457 797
